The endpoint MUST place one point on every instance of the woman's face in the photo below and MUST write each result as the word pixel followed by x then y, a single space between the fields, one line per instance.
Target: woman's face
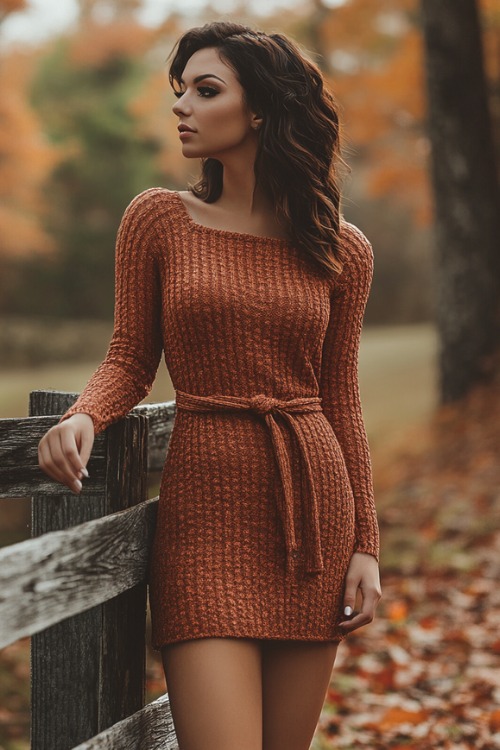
pixel 213 107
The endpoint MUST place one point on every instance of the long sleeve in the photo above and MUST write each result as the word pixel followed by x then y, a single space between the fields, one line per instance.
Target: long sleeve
pixel 127 373
pixel 339 383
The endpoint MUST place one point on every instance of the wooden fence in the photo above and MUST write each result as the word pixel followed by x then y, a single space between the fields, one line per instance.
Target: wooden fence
pixel 78 587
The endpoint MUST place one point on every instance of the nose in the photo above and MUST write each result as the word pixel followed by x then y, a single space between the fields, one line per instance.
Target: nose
pixel 180 106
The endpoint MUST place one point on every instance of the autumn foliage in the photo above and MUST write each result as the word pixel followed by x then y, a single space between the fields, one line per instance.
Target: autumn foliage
pixel 27 158
pixel 68 164
pixel 10 6
pixel 424 674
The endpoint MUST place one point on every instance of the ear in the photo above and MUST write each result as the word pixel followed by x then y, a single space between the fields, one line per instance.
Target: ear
pixel 256 121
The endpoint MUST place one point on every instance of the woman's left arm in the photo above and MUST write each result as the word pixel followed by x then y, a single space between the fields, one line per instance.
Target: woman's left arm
pixel 341 401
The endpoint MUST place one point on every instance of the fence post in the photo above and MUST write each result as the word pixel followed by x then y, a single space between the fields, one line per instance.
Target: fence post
pixel 89 671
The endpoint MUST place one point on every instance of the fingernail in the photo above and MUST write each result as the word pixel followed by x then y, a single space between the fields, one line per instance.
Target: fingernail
pixel 85 472
pixel 348 611
pixel 78 484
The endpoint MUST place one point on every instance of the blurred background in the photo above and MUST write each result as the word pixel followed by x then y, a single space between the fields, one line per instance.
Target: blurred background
pixel 86 124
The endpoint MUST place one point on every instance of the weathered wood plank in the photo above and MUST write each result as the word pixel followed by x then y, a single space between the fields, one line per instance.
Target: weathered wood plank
pixel 150 728
pixel 161 419
pixel 62 573
pixel 122 669
pixel 20 473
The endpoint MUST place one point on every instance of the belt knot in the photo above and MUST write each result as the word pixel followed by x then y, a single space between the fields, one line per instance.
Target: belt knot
pixel 266 405
pixel 263 404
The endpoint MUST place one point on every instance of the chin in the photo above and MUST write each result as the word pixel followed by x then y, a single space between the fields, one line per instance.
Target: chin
pixel 191 153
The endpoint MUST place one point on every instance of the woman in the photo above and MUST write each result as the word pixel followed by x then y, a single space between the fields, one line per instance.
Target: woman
pixel 254 287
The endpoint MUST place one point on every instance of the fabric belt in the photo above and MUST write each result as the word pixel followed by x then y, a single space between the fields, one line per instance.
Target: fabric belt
pixel 267 407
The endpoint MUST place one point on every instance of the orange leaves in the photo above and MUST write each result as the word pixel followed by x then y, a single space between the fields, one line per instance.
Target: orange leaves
pixel 108 49
pixel 377 56
pixel 375 53
pixel 428 682
pixel 96 43
pixel 494 720
pixel 495 647
pixel 424 674
pixel 397 611
pixel 26 160
pixel 10 6
pixel 396 716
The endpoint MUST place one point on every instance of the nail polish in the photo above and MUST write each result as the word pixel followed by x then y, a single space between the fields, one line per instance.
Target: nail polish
pixel 348 611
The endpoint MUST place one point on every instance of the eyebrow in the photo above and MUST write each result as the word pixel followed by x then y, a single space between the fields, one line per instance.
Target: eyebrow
pixel 204 75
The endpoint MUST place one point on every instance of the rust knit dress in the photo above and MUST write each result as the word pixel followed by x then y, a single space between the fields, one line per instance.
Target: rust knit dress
pixel 267 487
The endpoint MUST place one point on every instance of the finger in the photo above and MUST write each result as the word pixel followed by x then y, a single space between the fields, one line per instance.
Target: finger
pixel 351 589
pixel 60 464
pixel 85 446
pixel 45 460
pixel 370 600
pixel 357 622
pixel 71 451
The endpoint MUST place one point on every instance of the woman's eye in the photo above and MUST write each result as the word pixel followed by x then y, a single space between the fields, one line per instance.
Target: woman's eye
pixel 211 92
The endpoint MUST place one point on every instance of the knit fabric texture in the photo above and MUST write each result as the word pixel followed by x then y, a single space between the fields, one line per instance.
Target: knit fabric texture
pixel 267 488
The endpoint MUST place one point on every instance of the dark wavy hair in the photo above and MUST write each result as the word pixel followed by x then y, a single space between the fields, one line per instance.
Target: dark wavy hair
pixel 298 153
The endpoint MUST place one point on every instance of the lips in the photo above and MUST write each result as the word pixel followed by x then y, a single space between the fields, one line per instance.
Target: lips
pixel 182 128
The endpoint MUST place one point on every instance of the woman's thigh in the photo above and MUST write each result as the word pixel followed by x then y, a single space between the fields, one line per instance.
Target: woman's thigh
pixel 295 680
pixel 215 692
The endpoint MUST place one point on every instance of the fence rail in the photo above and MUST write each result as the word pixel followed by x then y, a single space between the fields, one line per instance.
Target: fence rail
pixel 78 587
pixel 62 573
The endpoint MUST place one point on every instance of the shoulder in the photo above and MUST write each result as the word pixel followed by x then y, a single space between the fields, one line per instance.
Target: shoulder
pixel 356 243
pixel 153 202
pixel 359 258
pixel 144 226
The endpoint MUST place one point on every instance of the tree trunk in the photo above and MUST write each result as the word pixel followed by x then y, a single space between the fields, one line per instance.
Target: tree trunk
pixel 466 194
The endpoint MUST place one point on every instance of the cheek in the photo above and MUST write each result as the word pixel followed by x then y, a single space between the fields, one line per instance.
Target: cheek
pixel 227 120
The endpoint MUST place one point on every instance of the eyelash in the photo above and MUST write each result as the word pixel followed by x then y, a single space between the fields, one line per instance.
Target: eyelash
pixel 178 94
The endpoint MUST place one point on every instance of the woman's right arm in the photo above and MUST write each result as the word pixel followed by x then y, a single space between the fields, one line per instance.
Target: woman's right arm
pixel 127 373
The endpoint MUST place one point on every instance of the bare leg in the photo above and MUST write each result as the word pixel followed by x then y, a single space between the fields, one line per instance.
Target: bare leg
pixel 215 691
pixel 295 680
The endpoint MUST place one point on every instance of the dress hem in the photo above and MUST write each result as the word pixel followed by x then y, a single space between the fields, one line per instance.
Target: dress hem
pixel 225 634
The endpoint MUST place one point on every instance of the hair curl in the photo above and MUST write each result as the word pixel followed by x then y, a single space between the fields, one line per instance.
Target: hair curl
pixel 298 152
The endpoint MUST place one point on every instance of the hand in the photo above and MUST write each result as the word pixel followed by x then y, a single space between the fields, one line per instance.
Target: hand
pixel 362 574
pixel 64 450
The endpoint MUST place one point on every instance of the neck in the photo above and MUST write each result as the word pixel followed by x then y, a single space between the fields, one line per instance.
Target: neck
pixel 240 193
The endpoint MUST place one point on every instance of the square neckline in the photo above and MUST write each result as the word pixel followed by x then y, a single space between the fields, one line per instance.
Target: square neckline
pixel 226 232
